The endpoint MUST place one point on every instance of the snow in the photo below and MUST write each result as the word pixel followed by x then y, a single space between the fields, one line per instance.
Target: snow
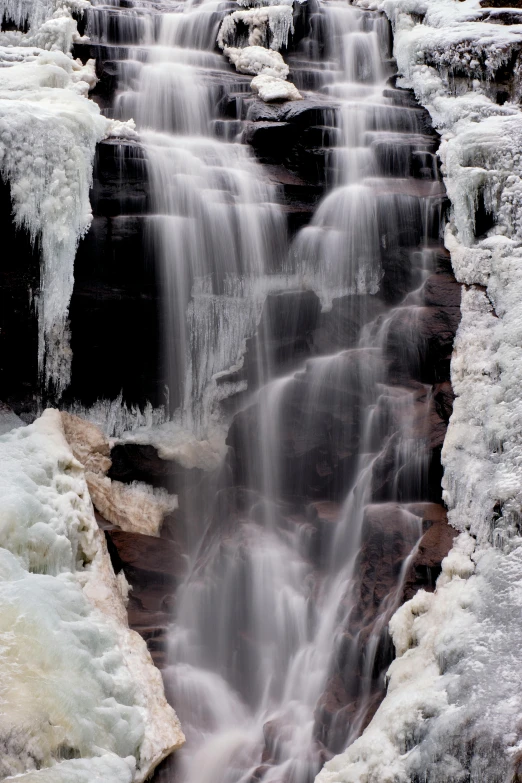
pixel 48 134
pixel 76 682
pixel 452 711
pixel 257 60
pixel 271 89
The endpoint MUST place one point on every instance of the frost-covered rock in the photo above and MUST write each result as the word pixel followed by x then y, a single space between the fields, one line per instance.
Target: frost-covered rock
pixel 76 682
pixel 271 89
pixel 257 60
pixel 48 133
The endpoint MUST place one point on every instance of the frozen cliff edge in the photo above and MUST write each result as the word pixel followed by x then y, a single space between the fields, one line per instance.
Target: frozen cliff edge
pixel 82 700
pixel 452 711
pixel 48 134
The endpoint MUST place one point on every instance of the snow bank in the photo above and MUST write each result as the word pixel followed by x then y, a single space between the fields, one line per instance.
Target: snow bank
pixel 48 134
pixel 82 700
pixel 452 712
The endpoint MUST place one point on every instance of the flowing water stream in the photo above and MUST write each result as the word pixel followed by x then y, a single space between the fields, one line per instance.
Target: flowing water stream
pixel 271 602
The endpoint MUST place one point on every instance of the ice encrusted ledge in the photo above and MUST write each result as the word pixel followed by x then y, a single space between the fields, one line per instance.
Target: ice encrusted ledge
pixel 48 134
pixel 452 711
pixel 82 700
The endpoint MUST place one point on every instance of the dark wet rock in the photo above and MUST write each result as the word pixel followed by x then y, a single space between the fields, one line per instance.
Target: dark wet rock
pixel 442 290
pixel 340 327
pixel 303 113
pixel 501 3
pixel 433 548
pixel 120 179
pixel 272 139
pixel 136 462
pixel 284 337
pixel 19 285
pixel 421 340
pixel 153 567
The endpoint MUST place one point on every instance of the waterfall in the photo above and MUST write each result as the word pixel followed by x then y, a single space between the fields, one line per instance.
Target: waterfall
pixel 285 202
pixel 271 602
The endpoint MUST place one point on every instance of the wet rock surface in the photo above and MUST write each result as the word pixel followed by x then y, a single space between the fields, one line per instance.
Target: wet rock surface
pixel 153 568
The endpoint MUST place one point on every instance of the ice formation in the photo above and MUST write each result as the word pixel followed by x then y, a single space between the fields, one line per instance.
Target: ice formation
pixel 271 89
pixel 81 699
pixel 48 133
pixel 135 507
pixel 267 26
pixel 452 710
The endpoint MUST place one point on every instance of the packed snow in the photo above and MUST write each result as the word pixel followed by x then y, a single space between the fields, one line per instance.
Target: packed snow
pixel 452 711
pixel 81 699
pixel 48 133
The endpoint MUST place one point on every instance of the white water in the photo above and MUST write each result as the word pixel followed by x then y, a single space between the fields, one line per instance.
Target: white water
pixel 258 625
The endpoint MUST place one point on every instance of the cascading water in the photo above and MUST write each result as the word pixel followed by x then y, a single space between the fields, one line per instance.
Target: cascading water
pixel 216 225
pixel 271 602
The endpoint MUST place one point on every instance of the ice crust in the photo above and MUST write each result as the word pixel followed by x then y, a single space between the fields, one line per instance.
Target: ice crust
pixel 81 699
pixel 257 60
pixel 452 711
pixel 271 89
pixel 48 133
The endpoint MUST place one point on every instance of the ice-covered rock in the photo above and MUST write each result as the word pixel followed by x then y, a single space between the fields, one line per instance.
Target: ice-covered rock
pixel 76 682
pixel 257 60
pixel 271 89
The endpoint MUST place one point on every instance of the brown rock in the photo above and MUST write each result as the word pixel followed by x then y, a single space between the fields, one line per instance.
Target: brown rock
pixel 153 567
pixel 433 548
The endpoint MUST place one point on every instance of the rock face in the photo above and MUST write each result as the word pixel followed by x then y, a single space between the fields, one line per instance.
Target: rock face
pixel 153 567
pixel 135 507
